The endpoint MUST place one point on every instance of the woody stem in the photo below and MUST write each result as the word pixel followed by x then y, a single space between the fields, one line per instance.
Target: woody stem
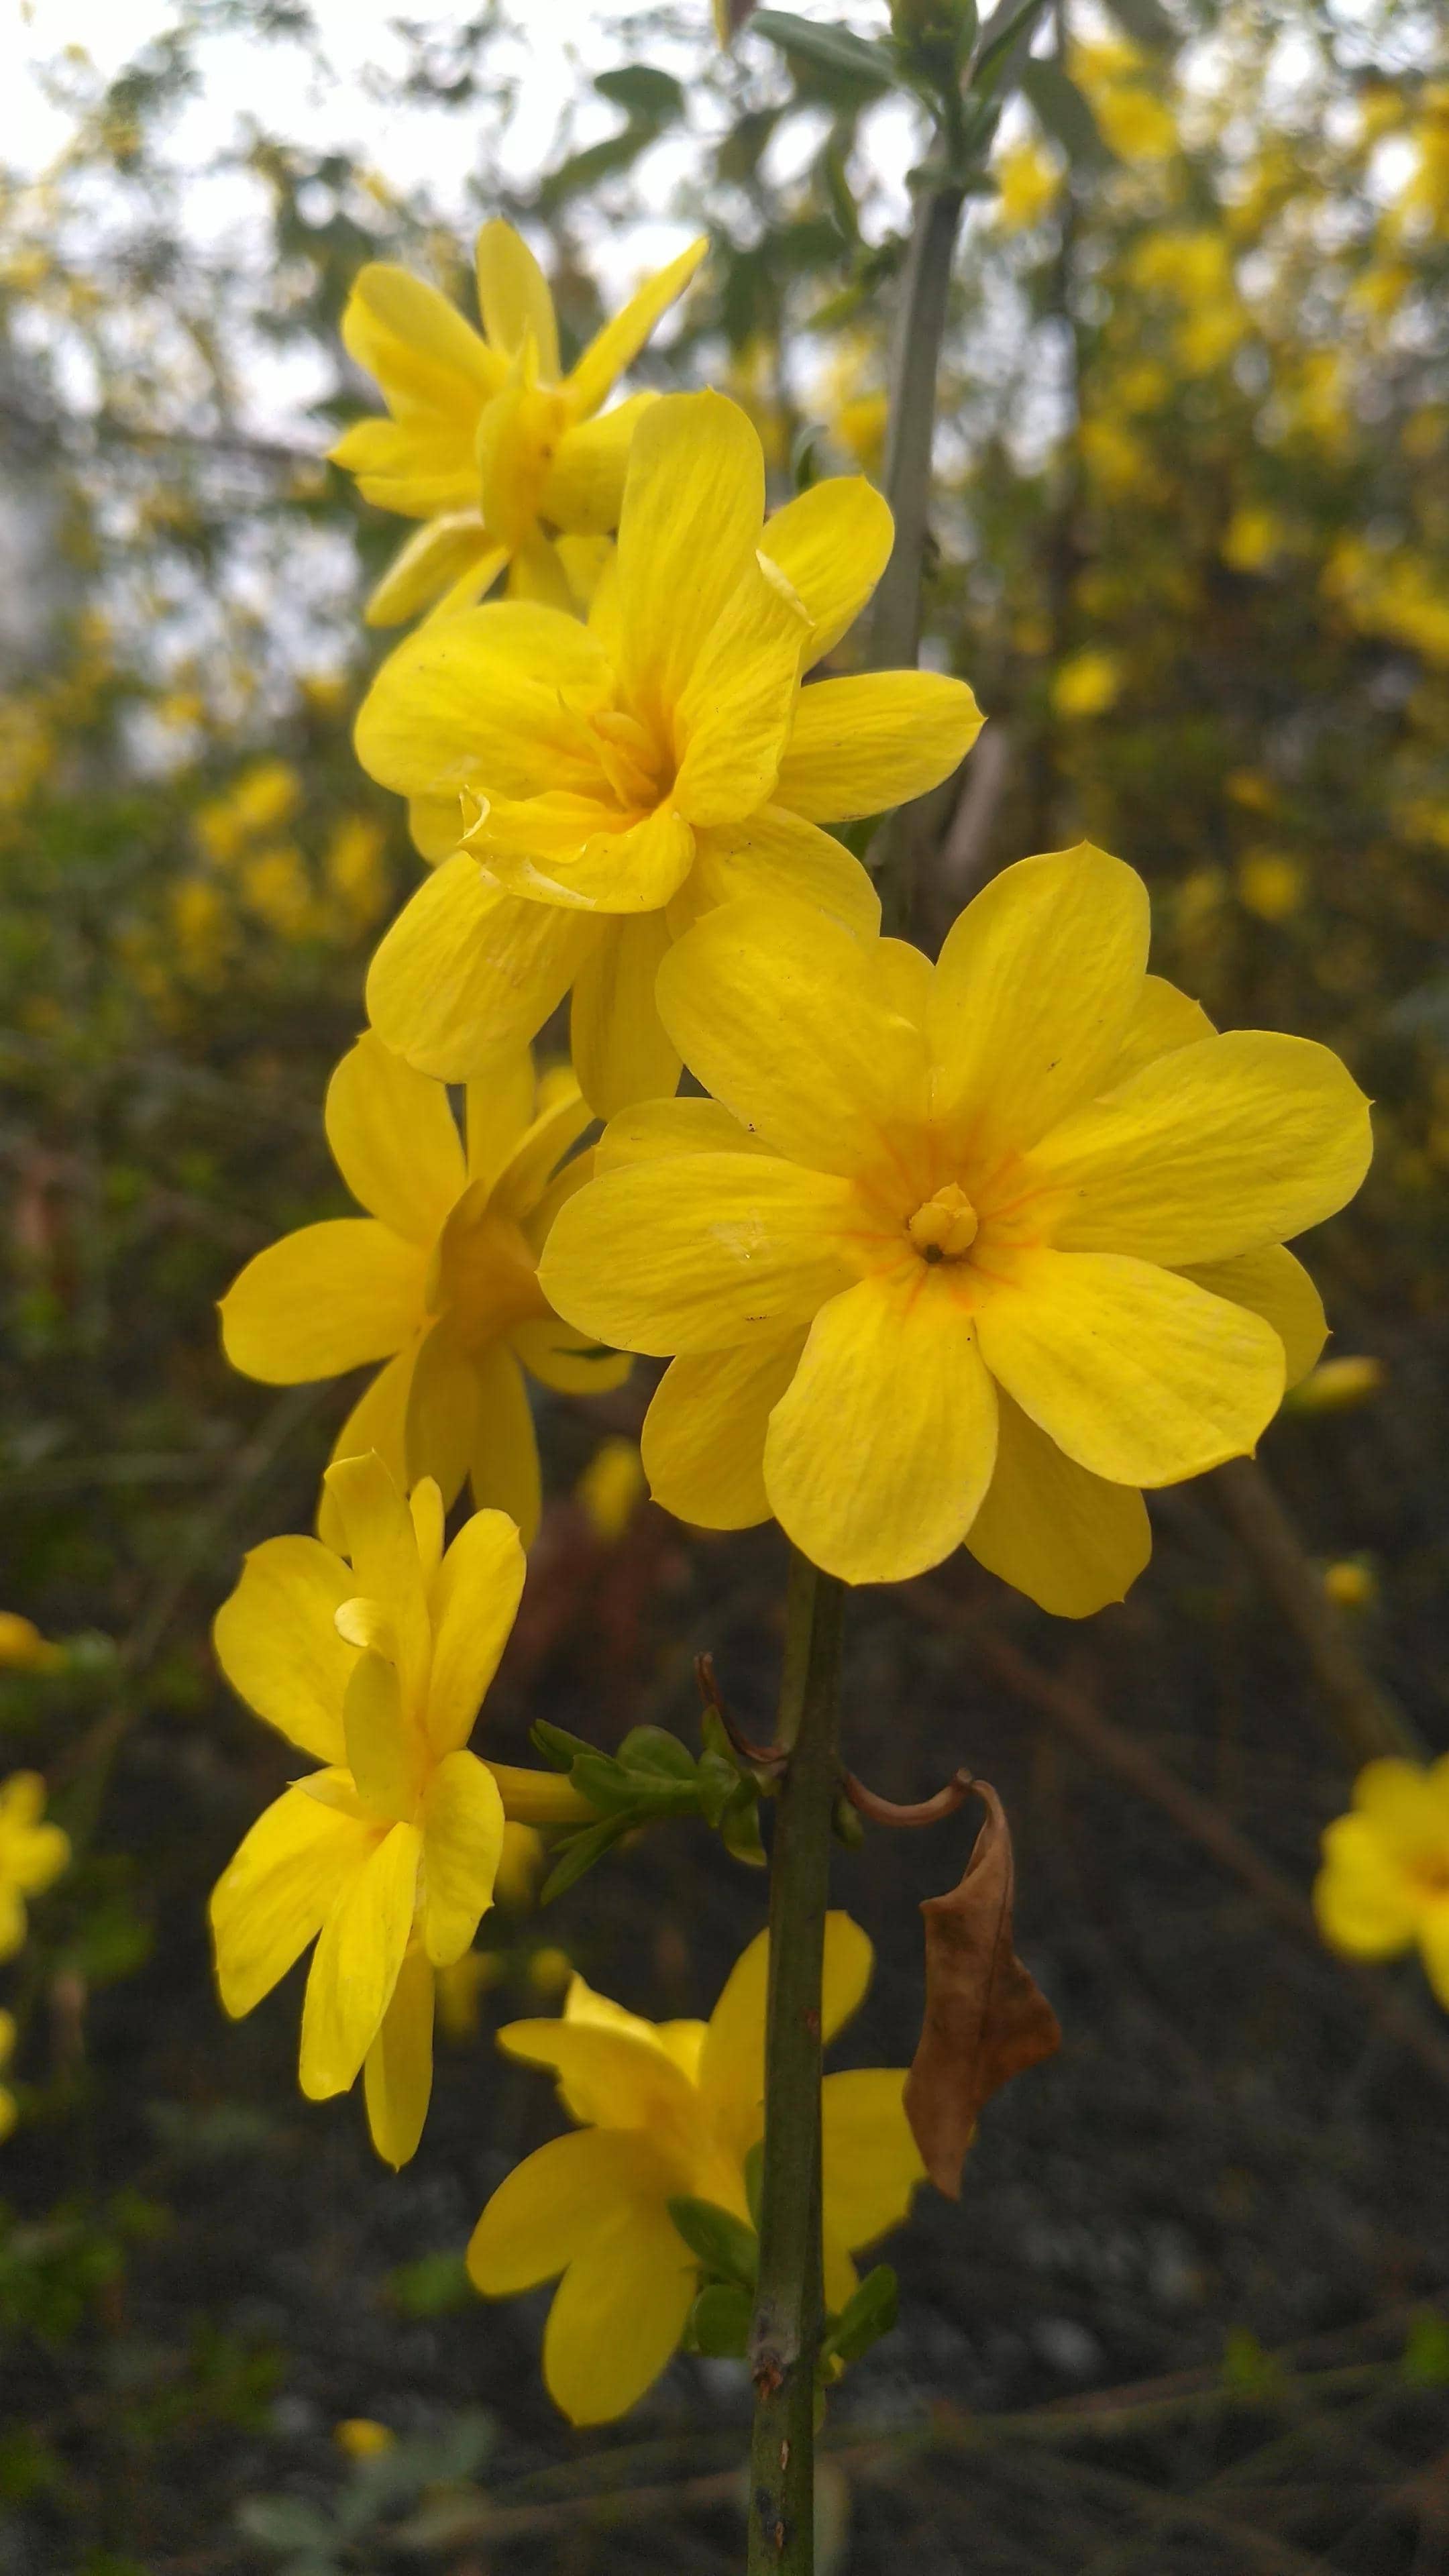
pixel 789 2307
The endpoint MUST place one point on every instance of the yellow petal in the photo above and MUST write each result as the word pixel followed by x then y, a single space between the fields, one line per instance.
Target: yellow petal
pixel 619 2312
pixel 435 824
pixel 500 1108
pixel 462 1843
pixel 1434 1947
pixel 862 745
pixel 425 1507
pixel 870 2164
pixel 1065 1538
pixel 653 1128
pixel 703 1442
pixel 325 1299
pixel 394 1140
pixel 606 2076
pixel 1136 1373
pixel 733 713
pixel 1365 1905
pixel 565 851
pixel 832 543
pixel 539 1151
pixel 441 1421
pixel 567 1361
pixel 383 1548
pixel 383 1755
pixel 1213 1150
pixel 414 341
pixel 584 490
pixel 905 980
pixel 275 1895
pixel 419 466
pixel 468 973
pixel 693 504
pixel 620 1050
pixel 776 1011
pixel 893 1383
pixel 278 1646
pixel 1407 1806
pixel 555 2203
pixel 1272 1284
pixel 397 2071
pixel 732 2062
pixel 774 853
pixel 1035 989
pixel 492 700
pixel 696 1252
pixel 473 1604
pixel 1164 1020
pixel 503 1470
pixel 377 1421
pixel 514 299
pixel 355 1964
pixel 615 347
pixel 443 554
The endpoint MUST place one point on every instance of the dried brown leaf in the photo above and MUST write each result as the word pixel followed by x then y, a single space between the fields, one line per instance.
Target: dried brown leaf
pixel 986 2017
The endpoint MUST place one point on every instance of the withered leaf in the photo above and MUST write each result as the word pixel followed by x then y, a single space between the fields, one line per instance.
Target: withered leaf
pixel 986 2017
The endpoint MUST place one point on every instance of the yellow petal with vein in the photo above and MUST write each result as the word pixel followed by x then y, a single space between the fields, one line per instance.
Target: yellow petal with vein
pixel 732 2061
pixel 1277 1287
pixel 383 1548
pixel 473 1604
pixel 275 1895
pixel 325 1299
pixel 584 491
pixel 703 1442
pixel 1067 1539
pixel 619 2311
pixel 614 348
pixel 774 853
pixel 860 746
pixel 377 1421
pixel 462 1822
pixel 1164 1020
pixel 503 1471
pixel 870 2164
pixel 277 1642
pixel 620 1047
pixel 355 1964
pixel 605 2076
pixel 493 700
pixel 694 500
pixel 554 2204
pixel 444 552
pixel 514 298
pixel 832 543
pixel 394 1140
pixel 468 973
pixel 397 2072
pixel 732 716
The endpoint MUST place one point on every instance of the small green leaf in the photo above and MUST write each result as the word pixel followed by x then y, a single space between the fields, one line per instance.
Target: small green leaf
pixel 1148 24
pixel 1005 39
pixel 1065 113
pixel 579 1854
pixel 646 96
pixel 725 2246
pixel 557 1746
pixel 653 1748
pixel 866 2316
pixel 719 2321
pixel 739 1828
pixel 433 2286
pixel 829 48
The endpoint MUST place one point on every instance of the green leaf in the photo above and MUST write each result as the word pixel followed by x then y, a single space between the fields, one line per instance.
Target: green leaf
pixel 653 1748
pixel 830 48
pixel 719 2321
pixel 868 2315
pixel 1005 39
pixel 579 1854
pixel 433 2286
pixel 557 1745
pixel 646 96
pixel 1148 24
pixel 286 2522
pixel 739 1828
pixel 1065 113
pixel 601 161
pixel 725 2246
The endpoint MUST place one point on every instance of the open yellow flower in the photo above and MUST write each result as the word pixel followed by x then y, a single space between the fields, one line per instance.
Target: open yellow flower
pixel 1384 1884
pixel 671 2111
pixel 31 1854
pixel 970 1252
pixel 440 1280
pixel 489 443
pixel 387 1856
pixel 620 777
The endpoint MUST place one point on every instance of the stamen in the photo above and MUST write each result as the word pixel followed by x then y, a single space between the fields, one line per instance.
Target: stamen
pixel 945 1227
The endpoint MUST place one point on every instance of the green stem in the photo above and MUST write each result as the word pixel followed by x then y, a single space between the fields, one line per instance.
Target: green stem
pixel 789 2309
pixel 895 626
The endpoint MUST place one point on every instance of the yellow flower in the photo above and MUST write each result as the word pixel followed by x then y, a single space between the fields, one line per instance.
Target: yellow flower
pixel 671 2111
pixel 1088 684
pixel 1271 884
pixel 612 1487
pixel 387 1856
pixel 624 775
pixel 9 2110
pixel 520 1867
pixel 964 1253
pixel 361 2438
pixel 1350 1583
pixel 1384 1883
pixel 31 1854
pixel 489 443
pixel 22 1647
pixel 1029 182
pixel 1340 1385
pixel 440 1279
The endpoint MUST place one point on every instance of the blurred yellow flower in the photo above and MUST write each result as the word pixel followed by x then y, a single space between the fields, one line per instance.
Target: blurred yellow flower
pixel 1028 182
pixel 439 1280
pixel 1136 122
pixel 1350 1583
pixel 263 797
pixel 1340 1385
pixel 520 1867
pixel 1384 1884
pixel 386 1857
pixel 22 1647
pixel 672 2110
pixel 620 777
pixel 489 443
pixel 612 1487
pixel 32 1854
pixel 549 1970
pixel 964 1253
pixel 1088 684
pixel 1254 536
pixel 459 1988
pixel 1271 884
pixel 354 871
pixel 361 2438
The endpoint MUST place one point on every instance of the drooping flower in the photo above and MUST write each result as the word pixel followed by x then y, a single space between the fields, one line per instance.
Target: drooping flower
pixel 620 777
pixel 672 2111
pixel 1384 1884
pixel 439 1280
pixel 386 1856
pixel 964 1253
pixel 489 443
pixel 32 1854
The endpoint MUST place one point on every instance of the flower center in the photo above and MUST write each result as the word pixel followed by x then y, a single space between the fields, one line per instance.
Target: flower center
pixel 944 1229
pixel 634 763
